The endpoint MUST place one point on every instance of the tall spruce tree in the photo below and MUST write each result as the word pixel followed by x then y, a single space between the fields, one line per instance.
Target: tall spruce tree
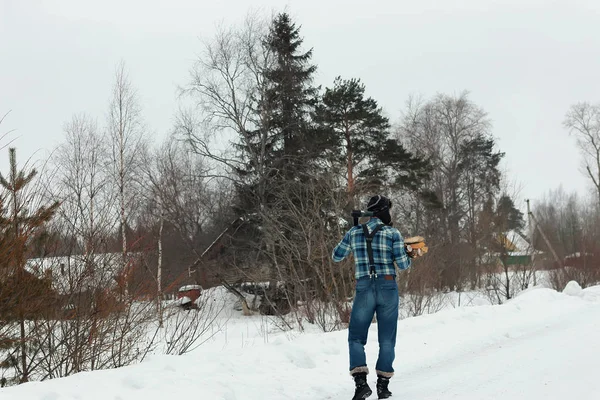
pixel 358 141
pixel 283 137
pixel 290 172
pixel 289 96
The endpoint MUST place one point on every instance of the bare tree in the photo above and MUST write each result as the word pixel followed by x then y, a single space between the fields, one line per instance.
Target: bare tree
pixel 306 282
pixel 83 185
pixel 159 269
pixel 183 189
pixel 568 235
pixel 455 135
pixel 227 85
pixel 91 327
pixel 179 195
pixel 583 120
pixel 126 133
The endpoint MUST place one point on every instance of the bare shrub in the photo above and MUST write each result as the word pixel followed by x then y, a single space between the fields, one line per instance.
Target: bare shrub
pixel 327 315
pixel 418 286
pixel 185 330
pixel 584 276
pixel 300 232
pixel 92 325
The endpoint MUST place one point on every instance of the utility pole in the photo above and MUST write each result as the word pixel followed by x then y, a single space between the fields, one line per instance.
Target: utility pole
pixel 532 217
pixel 531 242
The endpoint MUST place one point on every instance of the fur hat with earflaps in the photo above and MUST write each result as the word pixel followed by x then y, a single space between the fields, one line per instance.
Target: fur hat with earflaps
pixel 380 206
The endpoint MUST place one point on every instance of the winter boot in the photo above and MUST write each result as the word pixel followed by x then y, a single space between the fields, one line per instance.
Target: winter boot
pixel 362 388
pixel 382 387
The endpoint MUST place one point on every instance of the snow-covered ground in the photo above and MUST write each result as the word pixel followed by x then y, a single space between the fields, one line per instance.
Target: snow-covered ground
pixel 541 345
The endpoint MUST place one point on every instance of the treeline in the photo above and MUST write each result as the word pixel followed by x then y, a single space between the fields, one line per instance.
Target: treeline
pixel 302 157
pixel 252 189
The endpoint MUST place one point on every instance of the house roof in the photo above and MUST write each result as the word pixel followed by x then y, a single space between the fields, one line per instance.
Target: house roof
pixel 77 272
pixel 516 244
pixel 517 247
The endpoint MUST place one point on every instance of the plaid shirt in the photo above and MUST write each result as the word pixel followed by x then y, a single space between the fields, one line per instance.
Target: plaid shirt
pixel 388 246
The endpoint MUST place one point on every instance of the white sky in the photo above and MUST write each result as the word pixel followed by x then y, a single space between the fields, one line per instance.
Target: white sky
pixel 525 62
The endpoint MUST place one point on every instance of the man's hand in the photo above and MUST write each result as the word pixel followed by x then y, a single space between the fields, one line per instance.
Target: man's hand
pixel 412 253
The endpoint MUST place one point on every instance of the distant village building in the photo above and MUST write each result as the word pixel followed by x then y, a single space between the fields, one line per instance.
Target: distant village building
pixel 78 272
pixel 83 283
pixel 517 251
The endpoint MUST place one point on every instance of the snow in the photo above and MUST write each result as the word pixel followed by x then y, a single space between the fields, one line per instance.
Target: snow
pixel 578 255
pixel 573 289
pixel 190 287
pixel 542 344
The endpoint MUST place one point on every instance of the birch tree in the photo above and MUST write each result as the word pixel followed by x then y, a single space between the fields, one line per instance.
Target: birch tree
pixel 126 136
pixel 83 184
pixel 177 193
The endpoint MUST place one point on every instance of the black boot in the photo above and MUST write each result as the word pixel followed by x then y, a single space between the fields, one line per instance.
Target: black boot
pixel 382 387
pixel 362 388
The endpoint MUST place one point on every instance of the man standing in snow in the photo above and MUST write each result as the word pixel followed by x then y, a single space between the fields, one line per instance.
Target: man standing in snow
pixel 376 292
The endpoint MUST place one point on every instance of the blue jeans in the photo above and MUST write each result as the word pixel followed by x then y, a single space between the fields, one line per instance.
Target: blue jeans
pixel 374 295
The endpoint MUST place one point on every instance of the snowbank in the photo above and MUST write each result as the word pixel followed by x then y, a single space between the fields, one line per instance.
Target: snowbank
pixel 542 344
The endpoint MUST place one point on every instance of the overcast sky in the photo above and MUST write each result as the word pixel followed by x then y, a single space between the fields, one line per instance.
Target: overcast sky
pixel 524 62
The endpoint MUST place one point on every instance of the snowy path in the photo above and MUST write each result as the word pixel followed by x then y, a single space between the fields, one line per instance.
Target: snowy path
pixel 559 361
pixel 542 345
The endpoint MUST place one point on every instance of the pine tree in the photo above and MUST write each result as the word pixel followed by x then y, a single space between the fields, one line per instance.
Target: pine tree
pixel 25 294
pixel 358 138
pixel 480 176
pixel 355 124
pixel 7 339
pixel 506 218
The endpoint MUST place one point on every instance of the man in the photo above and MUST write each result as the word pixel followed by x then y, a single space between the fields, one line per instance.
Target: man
pixel 376 293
